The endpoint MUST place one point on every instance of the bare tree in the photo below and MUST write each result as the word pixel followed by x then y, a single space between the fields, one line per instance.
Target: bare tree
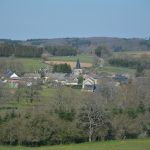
pixel 92 117
pixel 45 56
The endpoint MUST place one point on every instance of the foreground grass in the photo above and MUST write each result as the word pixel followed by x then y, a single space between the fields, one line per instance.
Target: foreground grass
pixel 140 144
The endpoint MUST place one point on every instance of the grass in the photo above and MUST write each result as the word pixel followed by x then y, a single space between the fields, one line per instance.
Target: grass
pixel 139 144
pixel 46 97
pixel 83 58
pixel 133 53
pixel 119 70
pixel 31 64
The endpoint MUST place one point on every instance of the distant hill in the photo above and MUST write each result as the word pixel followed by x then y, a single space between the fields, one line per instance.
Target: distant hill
pixel 88 44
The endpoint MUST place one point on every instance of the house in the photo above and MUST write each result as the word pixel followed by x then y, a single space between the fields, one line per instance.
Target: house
pixel 7 73
pixel 14 81
pixel 14 77
pixel 89 84
pixel 31 76
pixel 121 78
pixel 71 81
pixel 56 79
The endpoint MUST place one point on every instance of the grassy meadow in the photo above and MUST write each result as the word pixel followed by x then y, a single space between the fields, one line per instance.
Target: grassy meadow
pixel 119 70
pixel 82 57
pixel 32 64
pixel 134 53
pixel 139 144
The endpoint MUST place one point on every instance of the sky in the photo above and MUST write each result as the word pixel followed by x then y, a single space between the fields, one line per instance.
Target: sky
pixel 34 19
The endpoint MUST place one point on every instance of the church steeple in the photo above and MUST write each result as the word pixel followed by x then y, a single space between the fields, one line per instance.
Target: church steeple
pixel 78 64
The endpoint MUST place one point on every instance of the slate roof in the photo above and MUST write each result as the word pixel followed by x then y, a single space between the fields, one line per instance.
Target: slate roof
pixel 120 78
pixel 8 73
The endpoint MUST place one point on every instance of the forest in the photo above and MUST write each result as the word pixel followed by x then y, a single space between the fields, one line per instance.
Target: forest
pixel 19 50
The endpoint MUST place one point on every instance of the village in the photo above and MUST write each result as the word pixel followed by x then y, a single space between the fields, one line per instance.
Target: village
pixel 74 75
pixel 80 78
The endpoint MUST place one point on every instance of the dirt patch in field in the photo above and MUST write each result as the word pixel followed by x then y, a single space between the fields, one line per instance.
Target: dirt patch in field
pixel 72 64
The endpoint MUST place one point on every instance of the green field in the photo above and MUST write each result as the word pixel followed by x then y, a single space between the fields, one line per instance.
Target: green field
pixel 83 58
pixel 132 53
pixel 46 96
pixel 140 144
pixel 119 70
pixel 31 64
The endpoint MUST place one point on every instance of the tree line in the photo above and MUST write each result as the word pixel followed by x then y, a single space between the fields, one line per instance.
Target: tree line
pixel 73 117
pixel 61 50
pixel 8 49
pixel 64 68
pixel 131 62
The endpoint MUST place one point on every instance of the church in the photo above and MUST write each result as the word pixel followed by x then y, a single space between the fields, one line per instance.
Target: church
pixel 77 70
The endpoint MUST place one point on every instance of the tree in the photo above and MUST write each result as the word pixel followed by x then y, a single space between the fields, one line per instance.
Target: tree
pixel 80 79
pixel 125 127
pixel 19 93
pixel 65 103
pixel 102 51
pixel 32 93
pixel 61 50
pixel 64 68
pixel 12 65
pixel 45 56
pixel 95 60
pixel 7 49
pixel 5 93
pixel 139 71
pixel 42 72
pixel 92 118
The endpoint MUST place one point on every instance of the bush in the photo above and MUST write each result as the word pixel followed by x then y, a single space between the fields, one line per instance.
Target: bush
pixel 64 68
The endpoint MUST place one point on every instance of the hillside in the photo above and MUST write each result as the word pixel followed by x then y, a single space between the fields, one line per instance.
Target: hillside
pixel 88 44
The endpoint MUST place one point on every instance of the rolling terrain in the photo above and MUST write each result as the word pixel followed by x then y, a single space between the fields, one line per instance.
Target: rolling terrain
pixel 89 43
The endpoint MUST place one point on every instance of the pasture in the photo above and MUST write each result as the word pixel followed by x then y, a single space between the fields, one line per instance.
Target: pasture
pixel 87 58
pixel 139 144
pixel 71 63
pixel 118 70
pixel 136 54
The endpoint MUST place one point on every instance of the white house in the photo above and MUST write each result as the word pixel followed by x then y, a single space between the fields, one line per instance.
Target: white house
pixel 89 84
pixel 14 81
pixel 14 77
